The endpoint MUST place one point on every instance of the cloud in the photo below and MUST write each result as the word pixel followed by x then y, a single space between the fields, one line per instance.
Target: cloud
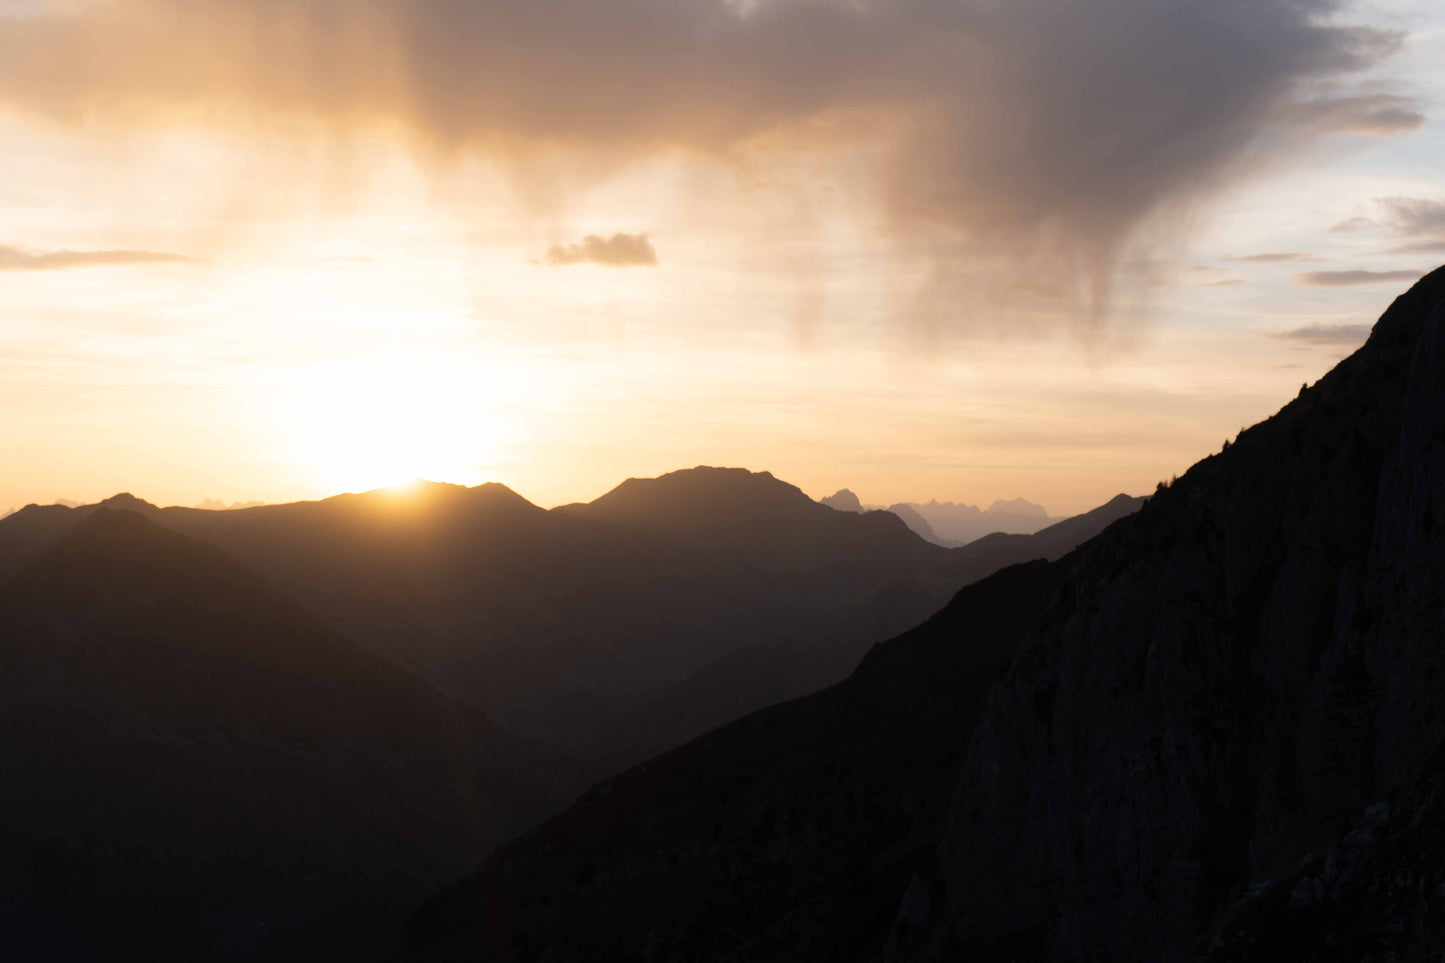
pixel 1413 216
pixel 1370 115
pixel 1328 334
pixel 1027 141
pixel 20 259
pixel 1344 279
pixel 1351 224
pixel 1419 247
pixel 1285 258
pixel 619 250
pixel 1403 216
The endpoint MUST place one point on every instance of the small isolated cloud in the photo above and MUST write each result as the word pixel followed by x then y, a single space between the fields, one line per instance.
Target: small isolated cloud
pixel 1349 224
pixel 1345 279
pixel 619 250
pixel 22 259
pixel 1282 258
pixel 1327 334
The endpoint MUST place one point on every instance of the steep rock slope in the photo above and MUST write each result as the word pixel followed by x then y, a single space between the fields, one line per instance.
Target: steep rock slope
pixel 788 834
pixel 1232 688
pixel 828 649
pixel 194 764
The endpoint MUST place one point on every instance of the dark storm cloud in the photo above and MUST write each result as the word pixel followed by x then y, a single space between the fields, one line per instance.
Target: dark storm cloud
pixel 619 250
pixel 1328 334
pixel 1345 279
pixel 20 259
pixel 1035 136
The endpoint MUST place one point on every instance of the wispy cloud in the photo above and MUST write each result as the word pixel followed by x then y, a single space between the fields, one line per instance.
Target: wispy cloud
pixel 1345 279
pixel 1327 334
pixel 1414 217
pixel 1372 115
pixel 1282 258
pixel 22 259
pixel 1351 224
pixel 1419 247
pixel 619 250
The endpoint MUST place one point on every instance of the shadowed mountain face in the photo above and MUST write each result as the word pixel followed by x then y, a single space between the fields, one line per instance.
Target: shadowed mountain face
pixel 826 651
pixel 1221 736
pixel 581 627
pixel 1228 731
pixel 790 834
pixel 194 764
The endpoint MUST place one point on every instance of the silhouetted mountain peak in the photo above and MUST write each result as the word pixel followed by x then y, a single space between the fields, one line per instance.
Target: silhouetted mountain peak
pixel 843 500
pixel 127 502
pixel 700 497
pixel 116 552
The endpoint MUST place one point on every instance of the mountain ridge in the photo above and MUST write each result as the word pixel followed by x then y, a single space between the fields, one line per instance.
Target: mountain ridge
pixel 569 625
pixel 204 762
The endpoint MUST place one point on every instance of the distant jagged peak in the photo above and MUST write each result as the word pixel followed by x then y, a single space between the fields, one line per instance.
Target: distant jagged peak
pixel 1017 506
pixel 843 500
pixel 217 505
pixel 952 508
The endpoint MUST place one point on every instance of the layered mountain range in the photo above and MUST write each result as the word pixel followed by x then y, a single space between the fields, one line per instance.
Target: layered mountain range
pixel 1214 731
pixel 608 630
pixel 268 732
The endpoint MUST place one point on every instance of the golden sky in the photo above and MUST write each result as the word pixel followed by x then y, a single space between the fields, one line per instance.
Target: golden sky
pixel 953 249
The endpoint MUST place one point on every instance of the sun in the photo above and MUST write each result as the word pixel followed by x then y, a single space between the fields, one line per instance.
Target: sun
pixel 363 424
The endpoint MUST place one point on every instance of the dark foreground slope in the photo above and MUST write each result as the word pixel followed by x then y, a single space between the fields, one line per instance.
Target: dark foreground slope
pixel 1226 737
pixel 788 834
pixel 193 764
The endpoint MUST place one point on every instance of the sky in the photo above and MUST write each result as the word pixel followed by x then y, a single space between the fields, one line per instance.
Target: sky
pixel 956 249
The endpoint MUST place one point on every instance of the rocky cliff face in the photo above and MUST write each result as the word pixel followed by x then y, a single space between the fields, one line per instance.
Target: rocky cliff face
pixel 1234 688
